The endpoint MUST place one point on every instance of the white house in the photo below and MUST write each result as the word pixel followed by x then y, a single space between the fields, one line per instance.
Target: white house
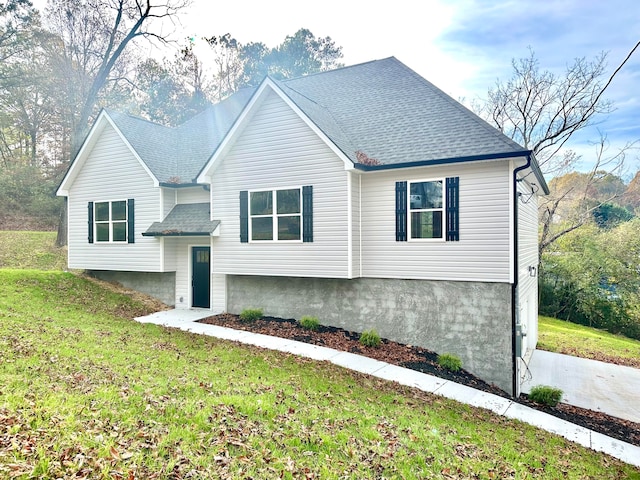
pixel 364 196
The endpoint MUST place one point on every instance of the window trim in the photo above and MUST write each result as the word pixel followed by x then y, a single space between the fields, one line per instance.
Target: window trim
pixel 442 210
pixel 111 222
pixel 274 215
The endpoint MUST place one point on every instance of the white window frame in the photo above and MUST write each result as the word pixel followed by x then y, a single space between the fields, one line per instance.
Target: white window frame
pixel 110 222
pixel 274 215
pixel 412 210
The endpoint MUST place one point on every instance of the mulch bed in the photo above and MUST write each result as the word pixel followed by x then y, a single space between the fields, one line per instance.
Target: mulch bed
pixel 424 361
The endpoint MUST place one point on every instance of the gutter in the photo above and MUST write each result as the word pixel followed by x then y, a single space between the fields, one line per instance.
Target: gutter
pixel 445 161
pixel 180 185
pixel 514 285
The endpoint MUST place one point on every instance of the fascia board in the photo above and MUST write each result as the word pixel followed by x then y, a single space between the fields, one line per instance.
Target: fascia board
pixel 246 115
pixel 98 127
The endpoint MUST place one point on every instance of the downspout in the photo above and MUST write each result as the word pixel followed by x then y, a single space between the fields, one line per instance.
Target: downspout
pixel 514 285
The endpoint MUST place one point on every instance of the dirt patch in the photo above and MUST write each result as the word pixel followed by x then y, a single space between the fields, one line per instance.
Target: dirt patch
pixel 28 223
pixel 424 361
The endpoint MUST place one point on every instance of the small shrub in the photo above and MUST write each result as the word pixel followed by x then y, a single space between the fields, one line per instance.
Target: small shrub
pixel 450 362
pixel 251 314
pixel 545 395
pixel 310 323
pixel 370 338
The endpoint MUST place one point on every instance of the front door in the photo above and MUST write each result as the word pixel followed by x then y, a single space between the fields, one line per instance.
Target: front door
pixel 201 277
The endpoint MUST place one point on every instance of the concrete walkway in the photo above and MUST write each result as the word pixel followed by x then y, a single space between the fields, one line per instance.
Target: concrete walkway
pixel 187 320
pixel 598 386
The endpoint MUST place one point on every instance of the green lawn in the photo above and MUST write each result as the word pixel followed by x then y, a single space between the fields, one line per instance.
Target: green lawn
pixel 566 337
pixel 31 250
pixel 85 392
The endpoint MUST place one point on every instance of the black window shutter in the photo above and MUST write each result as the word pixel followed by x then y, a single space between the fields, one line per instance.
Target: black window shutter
pixel 244 216
pixel 453 220
pixel 131 221
pixel 90 222
pixel 307 213
pixel 401 211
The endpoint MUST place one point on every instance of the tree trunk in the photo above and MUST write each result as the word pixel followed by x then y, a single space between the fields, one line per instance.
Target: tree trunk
pixel 61 238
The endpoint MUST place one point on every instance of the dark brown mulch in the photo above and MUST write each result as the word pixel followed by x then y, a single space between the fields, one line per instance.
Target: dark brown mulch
pixel 425 361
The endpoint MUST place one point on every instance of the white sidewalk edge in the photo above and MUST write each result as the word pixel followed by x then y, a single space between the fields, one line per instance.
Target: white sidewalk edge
pixel 624 451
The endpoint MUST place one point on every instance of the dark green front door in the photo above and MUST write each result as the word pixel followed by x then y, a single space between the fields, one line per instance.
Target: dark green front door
pixel 201 277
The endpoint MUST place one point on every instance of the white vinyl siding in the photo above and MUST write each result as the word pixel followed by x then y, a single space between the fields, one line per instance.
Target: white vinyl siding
pixel 277 149
pixel 483 252
pixel 174 196
pixel 192 195
pixel 182 250
pixel 172 253
pixel 111 172
pixel 528 257
pixel 169 200
pixel 355 224
pixel 218 293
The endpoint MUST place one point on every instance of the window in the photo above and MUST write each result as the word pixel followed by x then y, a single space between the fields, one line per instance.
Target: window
pixel 426 205
pixel 428 209
pixel 111 222
pixel 277 215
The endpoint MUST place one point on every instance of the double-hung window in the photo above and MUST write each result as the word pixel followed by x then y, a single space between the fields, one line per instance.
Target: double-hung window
pixel 275 215
pixel 426 208
pixel 111 222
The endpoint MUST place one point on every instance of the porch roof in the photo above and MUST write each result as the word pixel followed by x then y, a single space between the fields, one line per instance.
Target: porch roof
pixel 185 220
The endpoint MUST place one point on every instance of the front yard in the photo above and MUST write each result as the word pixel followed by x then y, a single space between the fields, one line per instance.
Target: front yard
pixel 88 393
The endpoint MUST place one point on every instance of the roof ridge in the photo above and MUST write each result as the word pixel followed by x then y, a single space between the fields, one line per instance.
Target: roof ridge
pixel 344 67
pixel 112 112
pixel 327 111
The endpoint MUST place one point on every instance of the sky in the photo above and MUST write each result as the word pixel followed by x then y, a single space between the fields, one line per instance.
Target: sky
pixel 462 46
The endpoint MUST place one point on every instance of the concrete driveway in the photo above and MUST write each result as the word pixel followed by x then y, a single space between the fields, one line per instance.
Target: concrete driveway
pixel 599 386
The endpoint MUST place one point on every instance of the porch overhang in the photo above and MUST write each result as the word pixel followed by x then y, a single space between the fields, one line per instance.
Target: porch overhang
pixel 186 220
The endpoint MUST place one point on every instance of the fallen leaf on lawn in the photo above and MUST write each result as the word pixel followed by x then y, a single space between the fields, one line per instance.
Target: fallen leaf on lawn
pixel 114 453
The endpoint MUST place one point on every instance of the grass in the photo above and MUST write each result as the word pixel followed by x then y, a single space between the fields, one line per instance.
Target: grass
pixel 565 337
pixel 450 362
pixel 251 314
pixel 370 338
pixel 86 392
pixel 35 250
pixel 310 323
pixel 545 395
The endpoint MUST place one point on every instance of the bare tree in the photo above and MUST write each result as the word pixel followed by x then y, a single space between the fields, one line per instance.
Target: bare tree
pixel 94 36
pixel 542 111
pixel 228 64
pixel 17 18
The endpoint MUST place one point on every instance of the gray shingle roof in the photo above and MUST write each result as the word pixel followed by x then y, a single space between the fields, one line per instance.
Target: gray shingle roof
pixel 380 108
pixel 395 116
pixel 176 155
pixel 184 220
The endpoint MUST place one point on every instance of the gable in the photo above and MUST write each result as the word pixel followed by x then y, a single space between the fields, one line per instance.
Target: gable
pixel 111 168
pixel 268 90
pixel 102 128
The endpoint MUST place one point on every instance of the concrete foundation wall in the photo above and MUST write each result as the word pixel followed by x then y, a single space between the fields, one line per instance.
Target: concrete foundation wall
pixel 159 285
pixel 469 319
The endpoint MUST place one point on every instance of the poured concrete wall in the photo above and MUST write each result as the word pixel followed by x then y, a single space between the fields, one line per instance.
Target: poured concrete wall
pixel 469 319
pixel 158 285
